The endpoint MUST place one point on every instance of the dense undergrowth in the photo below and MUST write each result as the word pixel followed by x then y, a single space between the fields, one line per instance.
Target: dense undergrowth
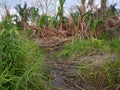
pixel 103 77
pixel 20 61
pixel 86 47
pixel 91 76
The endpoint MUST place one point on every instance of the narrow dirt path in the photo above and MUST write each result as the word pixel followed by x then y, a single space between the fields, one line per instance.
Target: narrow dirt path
pixel 65 71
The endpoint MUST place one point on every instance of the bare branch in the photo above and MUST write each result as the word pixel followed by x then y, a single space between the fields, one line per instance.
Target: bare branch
pixel 46 6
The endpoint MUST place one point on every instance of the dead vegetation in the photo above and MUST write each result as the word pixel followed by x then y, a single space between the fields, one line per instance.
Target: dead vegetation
pixel 52 36
pixel 85 24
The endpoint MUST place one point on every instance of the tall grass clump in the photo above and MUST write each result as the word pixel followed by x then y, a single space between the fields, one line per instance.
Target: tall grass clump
pixel 115 45
pixel 106 75
pixel 20 60
pixel 102 77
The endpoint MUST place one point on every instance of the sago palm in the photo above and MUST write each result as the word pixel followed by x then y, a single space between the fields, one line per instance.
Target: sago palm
pixel 23 11
pixel 61 11
pixel 34 13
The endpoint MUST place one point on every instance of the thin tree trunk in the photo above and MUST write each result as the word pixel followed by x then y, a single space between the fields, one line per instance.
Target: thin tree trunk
pixel 103 4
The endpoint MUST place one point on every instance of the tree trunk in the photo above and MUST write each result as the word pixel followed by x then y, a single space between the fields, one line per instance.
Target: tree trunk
pixel 103 5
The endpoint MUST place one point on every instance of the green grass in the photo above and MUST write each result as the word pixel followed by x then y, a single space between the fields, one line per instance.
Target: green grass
pixel 85 47
pixel 104 76
pixel 21 61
